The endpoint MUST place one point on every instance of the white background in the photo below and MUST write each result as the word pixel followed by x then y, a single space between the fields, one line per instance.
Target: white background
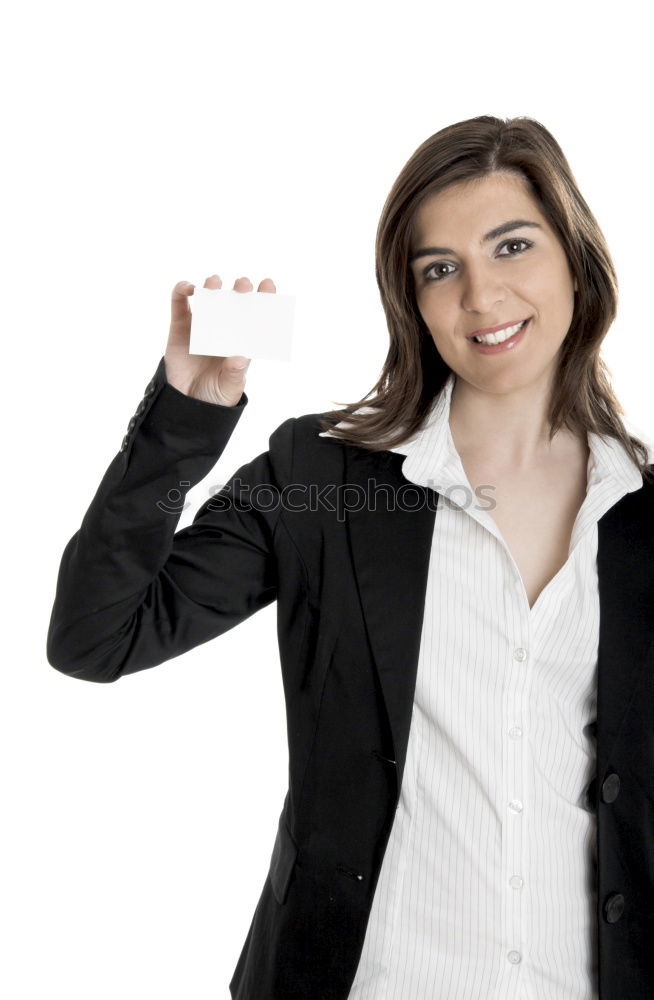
pixel 147 144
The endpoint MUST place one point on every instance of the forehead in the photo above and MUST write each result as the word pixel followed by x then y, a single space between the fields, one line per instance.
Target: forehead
pixel 472 207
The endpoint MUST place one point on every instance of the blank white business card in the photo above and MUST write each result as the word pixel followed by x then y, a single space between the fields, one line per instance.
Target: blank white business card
pixel 252 324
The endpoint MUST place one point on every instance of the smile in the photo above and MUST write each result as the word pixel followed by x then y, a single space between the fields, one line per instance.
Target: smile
pixel 502 340
pixel 501 335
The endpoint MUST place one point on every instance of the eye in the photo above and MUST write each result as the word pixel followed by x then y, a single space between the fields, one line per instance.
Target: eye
pixel 445 263
pixel 442 263
pixel 508 243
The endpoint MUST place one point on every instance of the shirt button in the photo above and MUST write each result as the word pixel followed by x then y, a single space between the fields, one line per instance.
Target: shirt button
pixel 614 907
pixel 514 957
pixel 520 653
pixel 515 805
pixel 610 788
pixel 515 732
pixel 516 882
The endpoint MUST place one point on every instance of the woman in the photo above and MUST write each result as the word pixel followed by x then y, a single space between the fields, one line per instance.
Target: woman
pixel 470 754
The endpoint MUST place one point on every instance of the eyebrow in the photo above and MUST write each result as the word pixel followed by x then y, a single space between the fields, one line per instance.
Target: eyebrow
pixel 505 227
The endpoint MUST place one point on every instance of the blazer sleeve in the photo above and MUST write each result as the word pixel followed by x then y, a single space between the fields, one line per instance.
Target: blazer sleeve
pixel 131 593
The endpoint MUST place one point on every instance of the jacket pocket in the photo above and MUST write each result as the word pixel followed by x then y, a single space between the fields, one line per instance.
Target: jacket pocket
pixel 282 860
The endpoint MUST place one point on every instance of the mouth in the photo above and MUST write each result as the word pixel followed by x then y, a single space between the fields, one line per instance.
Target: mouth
pixel 486 332
pixel 502 339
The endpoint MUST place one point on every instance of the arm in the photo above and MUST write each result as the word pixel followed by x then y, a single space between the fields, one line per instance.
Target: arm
pixel 131 593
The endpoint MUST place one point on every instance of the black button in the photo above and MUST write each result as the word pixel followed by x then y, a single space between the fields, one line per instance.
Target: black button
pixel 123 446
pixel 131 425
pixel 613 907
pixel 139 409
pixel 150 388
pixel 611 788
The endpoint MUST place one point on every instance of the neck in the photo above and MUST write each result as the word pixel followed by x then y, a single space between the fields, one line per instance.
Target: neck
pixel 509 429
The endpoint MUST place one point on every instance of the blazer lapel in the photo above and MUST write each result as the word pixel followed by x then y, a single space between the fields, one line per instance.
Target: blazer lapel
pixel 391 546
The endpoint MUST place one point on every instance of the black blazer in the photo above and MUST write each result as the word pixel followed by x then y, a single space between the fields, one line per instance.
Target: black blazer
pixel 349 582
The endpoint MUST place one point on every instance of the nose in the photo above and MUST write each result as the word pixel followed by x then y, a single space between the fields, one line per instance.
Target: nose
pixel 482 292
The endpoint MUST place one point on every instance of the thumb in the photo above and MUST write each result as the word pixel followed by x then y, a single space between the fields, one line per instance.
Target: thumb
pixel 237 368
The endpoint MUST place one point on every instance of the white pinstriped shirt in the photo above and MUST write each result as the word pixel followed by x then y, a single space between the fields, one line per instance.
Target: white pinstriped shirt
pixel 487 887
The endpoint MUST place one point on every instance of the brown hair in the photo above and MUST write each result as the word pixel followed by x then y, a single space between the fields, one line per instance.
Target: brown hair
pixel 414 373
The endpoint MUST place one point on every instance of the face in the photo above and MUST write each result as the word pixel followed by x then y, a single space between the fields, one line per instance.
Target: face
pixel 465 282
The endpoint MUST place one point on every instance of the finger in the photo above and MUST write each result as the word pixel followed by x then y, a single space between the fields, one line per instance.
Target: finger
pixel 267 285
pixel 233 373
pixel 236 366
pixel 243 285
pixel 179 307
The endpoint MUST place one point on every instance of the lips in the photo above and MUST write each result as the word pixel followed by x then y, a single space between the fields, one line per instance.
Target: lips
pixel 495 329
pixel 501 342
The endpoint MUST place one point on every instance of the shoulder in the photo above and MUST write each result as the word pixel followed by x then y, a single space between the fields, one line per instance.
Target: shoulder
pixel 304 431
pixel 297 449
pixel 646 492
pixel 634 513
pixel 648 489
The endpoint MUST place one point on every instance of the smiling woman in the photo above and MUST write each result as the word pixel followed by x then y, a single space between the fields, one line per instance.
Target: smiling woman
pixel 443 664
pixel 498 289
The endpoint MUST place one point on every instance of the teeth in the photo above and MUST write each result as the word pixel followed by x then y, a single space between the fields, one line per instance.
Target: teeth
pixel 502 335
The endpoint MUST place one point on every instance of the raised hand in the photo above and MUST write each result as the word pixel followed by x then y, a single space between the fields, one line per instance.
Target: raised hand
pixel 203 376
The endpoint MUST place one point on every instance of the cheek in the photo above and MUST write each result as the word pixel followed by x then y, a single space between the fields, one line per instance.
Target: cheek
pixel 448 346
pixel 440 321
pixel 555 288
pixel 559 308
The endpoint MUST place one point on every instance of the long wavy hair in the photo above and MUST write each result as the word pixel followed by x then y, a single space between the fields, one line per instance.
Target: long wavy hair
pixel 414 373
